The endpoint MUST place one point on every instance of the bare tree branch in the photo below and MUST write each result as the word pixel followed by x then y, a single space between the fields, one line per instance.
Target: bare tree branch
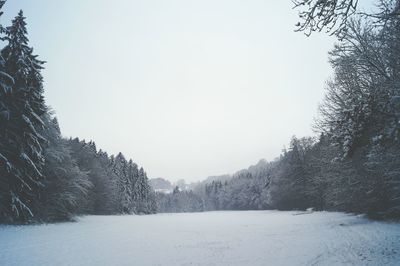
pixel 333 16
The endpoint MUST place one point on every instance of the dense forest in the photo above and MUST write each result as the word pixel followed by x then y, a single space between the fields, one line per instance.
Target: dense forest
pixel 354 163
pixel 44 177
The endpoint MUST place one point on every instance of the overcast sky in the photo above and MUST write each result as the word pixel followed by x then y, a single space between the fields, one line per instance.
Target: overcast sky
pixel 186 88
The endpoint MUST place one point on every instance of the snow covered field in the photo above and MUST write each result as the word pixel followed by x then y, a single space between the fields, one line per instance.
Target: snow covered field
pixel 211 238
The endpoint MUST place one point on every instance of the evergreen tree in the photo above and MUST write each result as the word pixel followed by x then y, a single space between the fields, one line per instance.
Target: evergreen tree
pixel 7 170
pixel 107 186
pixel 21 149
pixel 132 192
pixel 290 179
pixel 65 185
pixel 140 189
pixel 120 168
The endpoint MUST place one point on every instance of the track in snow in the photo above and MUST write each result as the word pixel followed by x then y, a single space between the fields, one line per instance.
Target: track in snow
pixel 210 238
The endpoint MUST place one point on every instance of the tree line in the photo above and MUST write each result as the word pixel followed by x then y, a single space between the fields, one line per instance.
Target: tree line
pixel 354 163
pixel 44 177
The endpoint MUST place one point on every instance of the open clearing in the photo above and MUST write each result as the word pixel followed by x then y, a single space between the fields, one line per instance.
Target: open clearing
pixel 209 238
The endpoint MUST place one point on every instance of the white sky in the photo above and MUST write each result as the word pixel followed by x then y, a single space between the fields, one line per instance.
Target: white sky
pixel 186 88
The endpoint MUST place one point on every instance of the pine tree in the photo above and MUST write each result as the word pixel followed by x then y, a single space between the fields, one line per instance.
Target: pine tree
pixel 107 186
pixel 21 143
pixel 131 179
pixel 65 185
pixel 120 169
pixel 7 170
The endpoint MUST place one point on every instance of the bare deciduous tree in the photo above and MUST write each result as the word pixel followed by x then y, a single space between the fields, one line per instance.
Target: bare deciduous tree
pixel 334 15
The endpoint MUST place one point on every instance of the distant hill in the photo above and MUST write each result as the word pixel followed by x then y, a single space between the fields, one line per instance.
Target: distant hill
pixel 160 184
pixel 165 186
pixel 256 169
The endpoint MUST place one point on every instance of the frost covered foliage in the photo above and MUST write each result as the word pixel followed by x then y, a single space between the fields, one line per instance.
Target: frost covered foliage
pixel 245 190
pixel 65 185
pixel 292 176
pixel 119 186
pixel 334 16
pixel 361 113
pixel 179 201
pixel 21 109
pixel 362 100
pixel 355 166
pixel 44 177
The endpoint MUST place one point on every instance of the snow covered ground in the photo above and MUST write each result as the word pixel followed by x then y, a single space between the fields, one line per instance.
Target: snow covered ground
pixel 211 238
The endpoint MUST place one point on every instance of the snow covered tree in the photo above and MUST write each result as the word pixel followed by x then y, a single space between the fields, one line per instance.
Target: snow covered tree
pixel 44 177
pixel 135 194
pixel 104 196
pixel 7 170
pixel 290 178
pixel 22 107
pixel 335 15
pixel 106 190
pixel 212 191
pixel 144 196
pixel 180 201
pixel 65 185
pixel 120 168
pixel 360 115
